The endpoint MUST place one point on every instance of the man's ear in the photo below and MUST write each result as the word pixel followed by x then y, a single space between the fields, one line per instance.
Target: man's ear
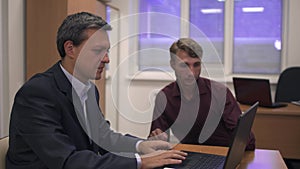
pixel 69 48
pixel 172 63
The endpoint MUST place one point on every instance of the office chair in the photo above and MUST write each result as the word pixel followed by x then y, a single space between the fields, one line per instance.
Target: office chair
pixel 288 85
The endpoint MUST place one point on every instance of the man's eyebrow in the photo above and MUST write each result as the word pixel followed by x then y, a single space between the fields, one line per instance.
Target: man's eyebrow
pixel 100 47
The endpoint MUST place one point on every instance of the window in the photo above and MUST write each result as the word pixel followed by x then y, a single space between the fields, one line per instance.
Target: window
pixel 159 26
pixel 207 18
pixel 256 39
pixel 257 36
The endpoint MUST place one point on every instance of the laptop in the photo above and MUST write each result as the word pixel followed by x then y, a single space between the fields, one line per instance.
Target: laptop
pixel 249 91
pixel 235 153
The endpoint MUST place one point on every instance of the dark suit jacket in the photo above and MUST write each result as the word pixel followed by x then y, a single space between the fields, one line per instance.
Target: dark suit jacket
pixel 45 131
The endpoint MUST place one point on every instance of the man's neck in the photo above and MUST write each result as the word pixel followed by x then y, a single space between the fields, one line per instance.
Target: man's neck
pixel 188 92
pixel 69 67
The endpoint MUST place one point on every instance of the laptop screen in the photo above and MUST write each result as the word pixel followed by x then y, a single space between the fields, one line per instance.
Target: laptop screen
pixel 236 149
pixel 240 138
pixel 248 91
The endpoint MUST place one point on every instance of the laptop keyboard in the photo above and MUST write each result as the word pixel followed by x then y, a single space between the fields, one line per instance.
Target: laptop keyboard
pixel 201 160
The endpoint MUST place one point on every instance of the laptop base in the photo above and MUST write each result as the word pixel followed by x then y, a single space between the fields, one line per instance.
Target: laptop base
pixel 275 105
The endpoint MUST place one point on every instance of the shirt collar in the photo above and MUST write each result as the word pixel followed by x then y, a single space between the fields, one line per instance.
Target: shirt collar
pixel 80 88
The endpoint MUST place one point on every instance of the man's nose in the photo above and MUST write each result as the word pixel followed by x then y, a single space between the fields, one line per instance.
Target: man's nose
pixel 192 69
pixel 105 59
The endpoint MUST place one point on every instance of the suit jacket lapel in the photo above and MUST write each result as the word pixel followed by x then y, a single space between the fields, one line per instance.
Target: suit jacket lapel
pixel 62 81
pixel 66 88
pixel 71 101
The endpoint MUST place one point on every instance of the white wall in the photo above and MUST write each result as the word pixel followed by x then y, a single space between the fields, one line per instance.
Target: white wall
pixel 293 31
pixel 3 69
pixel 16 46
pixel 128 105
pixel 12 57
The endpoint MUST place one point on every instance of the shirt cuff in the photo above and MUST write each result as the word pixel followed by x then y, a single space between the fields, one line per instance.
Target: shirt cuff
pixel 137 145
pixel 138 160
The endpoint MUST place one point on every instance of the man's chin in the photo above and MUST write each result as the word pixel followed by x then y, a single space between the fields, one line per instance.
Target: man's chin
pixel 98 75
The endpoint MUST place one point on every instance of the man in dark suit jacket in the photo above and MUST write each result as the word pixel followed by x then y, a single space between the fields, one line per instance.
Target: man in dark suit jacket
pixel 56 121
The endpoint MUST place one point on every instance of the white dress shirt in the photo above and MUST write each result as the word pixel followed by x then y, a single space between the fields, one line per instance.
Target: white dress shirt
pixel 81 90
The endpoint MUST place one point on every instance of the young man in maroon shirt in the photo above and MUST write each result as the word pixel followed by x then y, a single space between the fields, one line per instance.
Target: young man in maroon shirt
pixel 197 110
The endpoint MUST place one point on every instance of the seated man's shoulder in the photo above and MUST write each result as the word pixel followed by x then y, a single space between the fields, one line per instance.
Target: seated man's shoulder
pixel 169 87
pixel 215 85
pixel 40 83
pixel 39 79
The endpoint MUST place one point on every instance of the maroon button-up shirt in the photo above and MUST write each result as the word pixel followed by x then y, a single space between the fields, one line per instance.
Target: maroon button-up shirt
pixel 209 119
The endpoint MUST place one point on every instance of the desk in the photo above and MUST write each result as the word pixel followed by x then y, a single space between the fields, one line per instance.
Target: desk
pixel 260 158
pixel 278 128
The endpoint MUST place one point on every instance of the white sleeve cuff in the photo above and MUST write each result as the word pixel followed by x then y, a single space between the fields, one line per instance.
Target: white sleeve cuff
pixel 137 145
pixel 138 160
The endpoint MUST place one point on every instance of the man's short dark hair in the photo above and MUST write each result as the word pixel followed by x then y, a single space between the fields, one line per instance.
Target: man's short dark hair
pixel 74 26
pixel 188 45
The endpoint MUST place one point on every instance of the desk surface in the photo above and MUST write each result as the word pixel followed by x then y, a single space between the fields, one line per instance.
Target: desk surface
pixel 260 158
pixel 289 110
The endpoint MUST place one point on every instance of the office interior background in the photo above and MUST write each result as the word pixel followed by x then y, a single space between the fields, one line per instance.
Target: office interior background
pixel 240 38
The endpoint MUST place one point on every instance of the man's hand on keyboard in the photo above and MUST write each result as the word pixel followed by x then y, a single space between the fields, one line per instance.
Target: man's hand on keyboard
pixel 161 158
